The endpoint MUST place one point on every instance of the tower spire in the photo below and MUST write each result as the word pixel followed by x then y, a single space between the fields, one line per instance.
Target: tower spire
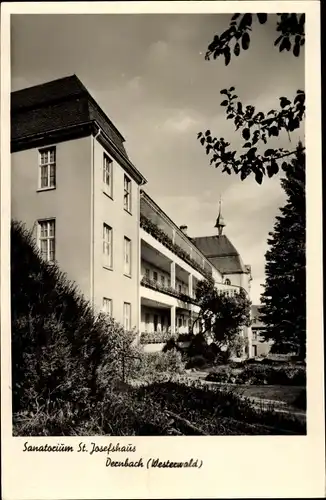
pixel 220 224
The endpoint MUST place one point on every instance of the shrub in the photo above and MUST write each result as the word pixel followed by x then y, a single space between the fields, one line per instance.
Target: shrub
pixel 61 351
pixel 154 366
pixel 199 347
pixel 259 374
pixel 197 361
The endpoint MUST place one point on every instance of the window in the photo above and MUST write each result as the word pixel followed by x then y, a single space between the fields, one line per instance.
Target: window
pixel 163 323
pixel 180 288
pixel 47 239
pixel 155 321
pixel 155 276
pixel 127 194
pixel 107 306
pixel 146 321
pixel 127 315
pixel 107 245
pixel 163 279
pixel 147 273
pixel 107 175
pixel 180 321
pixel 127 258
pixel 47 168
pixel 169 282
pixel 227 281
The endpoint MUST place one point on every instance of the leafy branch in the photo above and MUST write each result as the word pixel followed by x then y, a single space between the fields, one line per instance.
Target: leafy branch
pixel 256 128
pixel 237 36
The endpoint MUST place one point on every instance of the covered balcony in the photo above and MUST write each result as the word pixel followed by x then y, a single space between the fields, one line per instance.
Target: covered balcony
pixel 156 223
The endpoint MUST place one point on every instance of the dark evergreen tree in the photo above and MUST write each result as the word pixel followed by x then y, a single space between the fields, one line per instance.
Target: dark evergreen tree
pixel 284 299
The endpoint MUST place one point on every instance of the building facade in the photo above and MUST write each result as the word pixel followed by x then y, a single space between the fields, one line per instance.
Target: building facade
pixel 76 189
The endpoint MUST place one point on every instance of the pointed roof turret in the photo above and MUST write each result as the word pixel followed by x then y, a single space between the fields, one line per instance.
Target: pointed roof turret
pixel 220 224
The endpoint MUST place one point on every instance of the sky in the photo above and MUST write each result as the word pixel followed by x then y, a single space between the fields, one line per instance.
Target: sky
pixel 148 73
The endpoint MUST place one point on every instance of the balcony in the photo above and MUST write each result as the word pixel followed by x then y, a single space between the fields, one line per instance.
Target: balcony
pixel 168 290
pixel 163 337
pixel 157 224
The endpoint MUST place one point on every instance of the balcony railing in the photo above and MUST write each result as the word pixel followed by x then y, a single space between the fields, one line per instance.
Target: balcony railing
pixel 163 337
pixel 167 241
pixel 168 290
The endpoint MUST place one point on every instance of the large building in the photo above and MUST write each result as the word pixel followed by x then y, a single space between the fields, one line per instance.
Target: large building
pixel 75 187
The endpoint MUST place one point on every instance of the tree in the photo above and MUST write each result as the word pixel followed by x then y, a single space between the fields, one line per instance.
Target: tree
pixel 223 316
pixel 284 299
pixel 255 126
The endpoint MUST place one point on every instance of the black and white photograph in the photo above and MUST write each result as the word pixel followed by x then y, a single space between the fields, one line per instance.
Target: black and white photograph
pixel 158 234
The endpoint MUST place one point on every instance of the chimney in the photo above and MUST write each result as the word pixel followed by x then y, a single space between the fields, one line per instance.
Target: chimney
pixel 184 229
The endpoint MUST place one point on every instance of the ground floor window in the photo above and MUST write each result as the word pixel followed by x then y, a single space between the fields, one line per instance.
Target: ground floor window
pixel 127 315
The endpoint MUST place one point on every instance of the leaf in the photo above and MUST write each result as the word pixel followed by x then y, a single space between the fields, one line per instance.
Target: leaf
pixel 239 105
pixel 285 43
pixel 199 135
pixel 299 98
pixel 235 16
pixel 302 19
pixel 229 117
pixel 231 89
pixel 202 140
pixel 284 101
pixel 269 170
pixel 277 41
pixel 236 49
pixel 224 103
pixel 243 174
pixel 246 134
pixel 223 91
pixel 269 152
pixel 252 151
pixel 259 176
pixel 273 131
pixel 207 133
pixel 247 145
pixel 227 56
pixel 245 21
pixel 262 18
pixel 245 41
pixel 255 139
pixel 296 50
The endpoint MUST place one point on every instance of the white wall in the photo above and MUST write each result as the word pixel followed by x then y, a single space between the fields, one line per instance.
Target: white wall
pixel 68 203
pixel 113 283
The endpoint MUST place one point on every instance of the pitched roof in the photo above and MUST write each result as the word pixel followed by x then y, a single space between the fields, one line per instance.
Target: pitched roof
pixel 221 253
pixel 58 104
pixel 46 93
pixel 60 107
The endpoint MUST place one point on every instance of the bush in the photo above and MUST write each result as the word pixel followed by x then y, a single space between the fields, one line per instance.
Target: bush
pixel 153 366
pixel 259 374
pixel 196 362
pixel 61 351
pixel 199 347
